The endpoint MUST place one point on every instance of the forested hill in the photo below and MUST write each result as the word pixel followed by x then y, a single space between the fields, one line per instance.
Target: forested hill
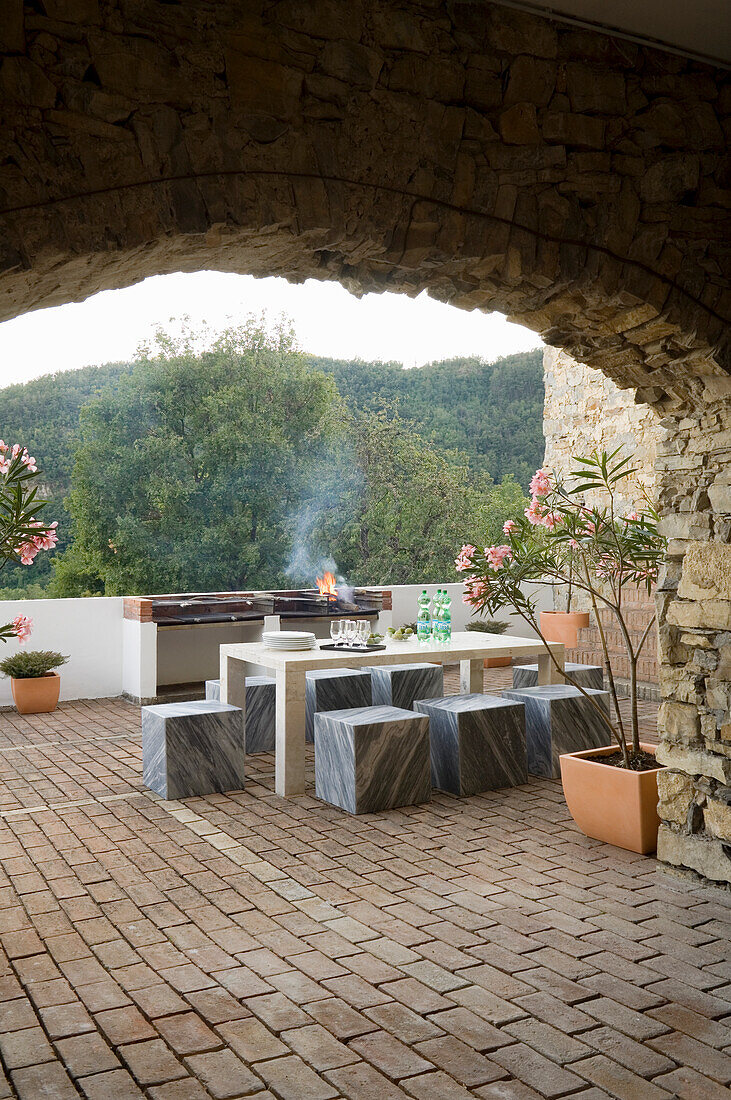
pixel 493 411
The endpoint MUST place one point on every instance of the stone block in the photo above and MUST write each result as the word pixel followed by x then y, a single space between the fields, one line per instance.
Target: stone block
pixel 261 708
pixel 193 748
pixel 706 571
pixel 675 792
pixel 400 685
pixel 710 858
pixel 694 761
pixel 369 759
pixel 335 689
pixel 477 742
pixel 588 676
pixel 559 719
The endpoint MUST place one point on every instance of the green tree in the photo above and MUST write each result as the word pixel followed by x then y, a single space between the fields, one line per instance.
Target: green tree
pixel 390 505
pixel 186 475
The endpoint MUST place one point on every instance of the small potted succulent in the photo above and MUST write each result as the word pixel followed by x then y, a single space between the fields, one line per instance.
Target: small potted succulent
pixel 34 683
pixel 611 793
pixel 491 626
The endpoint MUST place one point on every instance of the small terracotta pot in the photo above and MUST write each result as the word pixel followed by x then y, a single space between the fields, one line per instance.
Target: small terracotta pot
pixel 498 662
pixel 563 626
pixel 612 804
pixel 36 694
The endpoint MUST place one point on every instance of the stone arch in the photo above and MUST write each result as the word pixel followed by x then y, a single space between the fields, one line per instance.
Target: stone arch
pixel 500 161
pixel 576 182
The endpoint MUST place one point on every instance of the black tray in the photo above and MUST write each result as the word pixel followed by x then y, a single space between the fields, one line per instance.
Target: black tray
pixel 353 648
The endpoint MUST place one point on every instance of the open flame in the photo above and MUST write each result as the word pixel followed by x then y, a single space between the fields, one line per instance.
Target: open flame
pixel 326 585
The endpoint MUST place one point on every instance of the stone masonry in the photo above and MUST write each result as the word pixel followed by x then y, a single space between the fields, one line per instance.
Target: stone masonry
pixel 575 182
pixel 585 411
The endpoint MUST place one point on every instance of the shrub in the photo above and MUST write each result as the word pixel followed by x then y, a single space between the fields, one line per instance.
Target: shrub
pixel 36 662
pixel 488 626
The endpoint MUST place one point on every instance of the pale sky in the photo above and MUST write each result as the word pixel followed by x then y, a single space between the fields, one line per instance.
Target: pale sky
pixel 328 321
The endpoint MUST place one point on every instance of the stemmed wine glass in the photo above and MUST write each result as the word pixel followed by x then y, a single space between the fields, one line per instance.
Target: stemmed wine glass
pixel 364 630
pixel 336 631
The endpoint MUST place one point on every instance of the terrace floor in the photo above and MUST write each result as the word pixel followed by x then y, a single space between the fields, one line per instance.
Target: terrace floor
pixel 242 945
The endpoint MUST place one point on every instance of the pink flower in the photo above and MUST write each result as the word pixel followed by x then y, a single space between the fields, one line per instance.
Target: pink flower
pixel 46 539
pixel 533 512
pixel 551 520
pixel 590 527
pixel 632 516
pixel 508 526
pixel 16 450
pixel 464 560
pixel 474 591
pixel 540 484
pixel 22 628
pixel 496 555
pixel 606 566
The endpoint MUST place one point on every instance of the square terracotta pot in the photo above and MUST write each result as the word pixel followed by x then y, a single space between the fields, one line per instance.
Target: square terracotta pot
pixel 612 804
pixel 36 694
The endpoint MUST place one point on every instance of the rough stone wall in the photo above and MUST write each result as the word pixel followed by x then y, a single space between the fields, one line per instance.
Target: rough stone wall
pixel 571 180
pixel 585 411
pixel 694 483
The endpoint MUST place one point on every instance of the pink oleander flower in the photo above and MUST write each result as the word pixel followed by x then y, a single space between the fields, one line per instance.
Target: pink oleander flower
pixel 508 526
pixel 589 527
pixel 474 591
pixel 496 555
pixel 551 520
pixel 46 539
pixel 22 628
pixel 534 513
pixel 540 484
pixel 606 567
pixel 632 516
pixel 464 559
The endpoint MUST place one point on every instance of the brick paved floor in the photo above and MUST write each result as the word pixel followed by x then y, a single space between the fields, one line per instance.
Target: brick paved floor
pixel 240 945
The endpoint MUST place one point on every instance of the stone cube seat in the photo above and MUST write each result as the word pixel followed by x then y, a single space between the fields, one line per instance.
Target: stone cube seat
pixel 369 759
pixel 261 697
pixel 558 719
pixel 588 676
pixel 477 742
pixel 193 748
pixel 334 689
pixel 400 685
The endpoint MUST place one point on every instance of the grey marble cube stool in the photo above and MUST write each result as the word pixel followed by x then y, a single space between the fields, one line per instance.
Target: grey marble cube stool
pixel 589 676
pixel 477 742
pixel 558 719
pixel 400 685
pixel 193 748
pixel 261 706
pixel 334 689
pixel 372 758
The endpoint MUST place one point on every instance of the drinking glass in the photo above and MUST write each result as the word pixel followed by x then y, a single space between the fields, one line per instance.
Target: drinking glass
pixel 364 630
pixel 336 631
pixel 350 631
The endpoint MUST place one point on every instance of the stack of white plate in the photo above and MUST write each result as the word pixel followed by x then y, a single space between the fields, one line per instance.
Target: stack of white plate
pixel 288 639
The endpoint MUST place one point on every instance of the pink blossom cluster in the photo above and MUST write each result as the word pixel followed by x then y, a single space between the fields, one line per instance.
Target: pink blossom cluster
pixel 540 484
pixel 8 454
pixel 509 526
pixel 474 591
pixel 464 559
pixel 496 555
pixel 22 628
pixel 46 539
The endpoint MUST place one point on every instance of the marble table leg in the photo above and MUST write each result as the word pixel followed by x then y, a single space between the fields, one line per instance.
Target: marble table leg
pixel 289 764
pixel 233 682
pixel 470 676
pixel 547 671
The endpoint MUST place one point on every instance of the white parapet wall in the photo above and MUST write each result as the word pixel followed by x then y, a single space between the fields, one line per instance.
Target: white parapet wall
pixel 110 655
pixel 88 631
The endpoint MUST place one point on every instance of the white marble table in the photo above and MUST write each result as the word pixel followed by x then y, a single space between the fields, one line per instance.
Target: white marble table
pixel 468 648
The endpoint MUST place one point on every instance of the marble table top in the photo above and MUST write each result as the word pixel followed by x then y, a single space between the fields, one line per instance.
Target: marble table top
pixel 464 646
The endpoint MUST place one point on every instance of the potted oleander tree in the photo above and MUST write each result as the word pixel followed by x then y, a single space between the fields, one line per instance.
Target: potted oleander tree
pixel 22 534
pixel 566 535
pixel 33 680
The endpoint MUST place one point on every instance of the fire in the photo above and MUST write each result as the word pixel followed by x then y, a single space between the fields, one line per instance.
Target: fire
pixel 326 585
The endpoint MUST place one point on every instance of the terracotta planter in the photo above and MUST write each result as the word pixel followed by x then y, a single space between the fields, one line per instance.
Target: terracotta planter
pixel 563 626
pixel 36 694
pixel 611 804
pixel 498 662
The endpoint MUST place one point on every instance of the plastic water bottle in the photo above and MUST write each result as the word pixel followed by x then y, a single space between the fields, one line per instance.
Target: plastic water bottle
pixel 423 618
pixel 445 618
pixel 436 606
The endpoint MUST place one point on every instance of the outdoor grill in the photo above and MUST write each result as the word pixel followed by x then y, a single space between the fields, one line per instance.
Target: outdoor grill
pixel 236 607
